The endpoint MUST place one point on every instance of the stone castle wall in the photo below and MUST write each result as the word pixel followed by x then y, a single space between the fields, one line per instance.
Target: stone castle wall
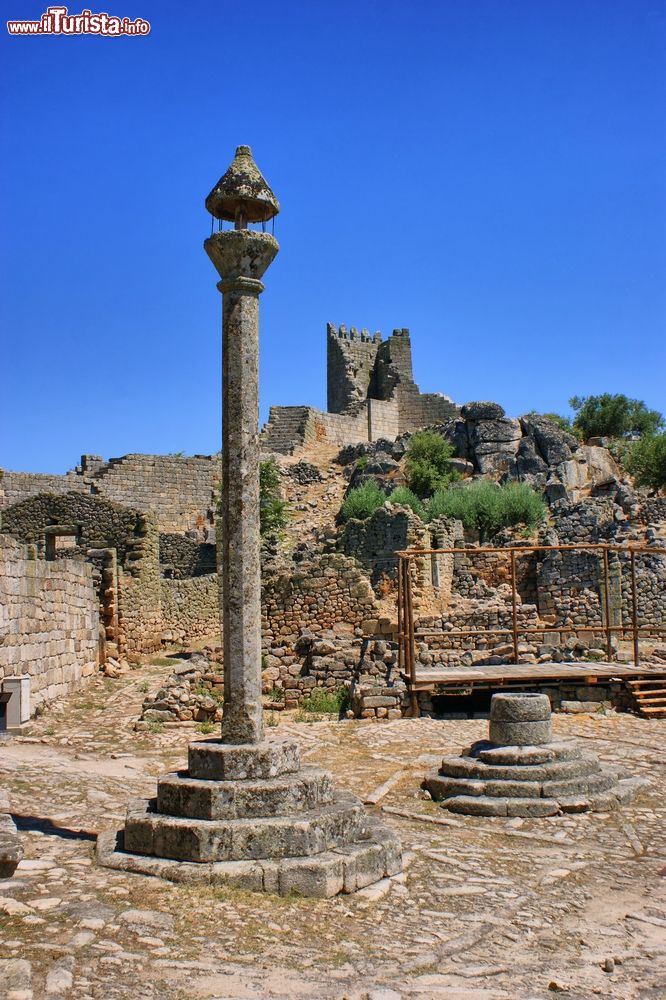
pixel 49 622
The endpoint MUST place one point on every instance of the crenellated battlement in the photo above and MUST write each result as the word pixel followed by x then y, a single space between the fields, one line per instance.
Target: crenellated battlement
pixel 353 334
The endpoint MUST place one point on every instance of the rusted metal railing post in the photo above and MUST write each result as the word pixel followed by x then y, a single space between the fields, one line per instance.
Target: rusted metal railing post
pixel 634 608
pixel 514 610
pixel 401 639
pixel 609 633
pixel 414 701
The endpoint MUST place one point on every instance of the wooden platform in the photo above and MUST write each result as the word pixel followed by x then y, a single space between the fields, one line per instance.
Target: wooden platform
pixel 525 674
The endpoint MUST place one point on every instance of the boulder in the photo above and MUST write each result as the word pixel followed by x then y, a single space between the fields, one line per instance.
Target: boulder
pixel 591 467
pixel 553 444
pixel 494 443
pixel 482 410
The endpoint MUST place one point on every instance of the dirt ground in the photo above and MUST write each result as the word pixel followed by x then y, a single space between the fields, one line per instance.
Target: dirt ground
pixel 486 909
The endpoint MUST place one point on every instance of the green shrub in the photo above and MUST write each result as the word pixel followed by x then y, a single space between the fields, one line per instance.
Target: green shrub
pixel 609 415
pixel 406 498
pixel 276 694
pixel 428 463
pixel 646 461
pixel 363 462
pixel 327 700
pixel 487 508
pixel 363 501
pixel 273 514
pixel 273 510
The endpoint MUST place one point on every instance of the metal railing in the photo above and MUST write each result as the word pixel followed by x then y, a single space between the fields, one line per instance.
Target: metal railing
pixel 407 634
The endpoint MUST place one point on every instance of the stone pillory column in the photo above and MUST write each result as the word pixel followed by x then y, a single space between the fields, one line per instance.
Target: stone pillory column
pixel 245 813
pixel 241 257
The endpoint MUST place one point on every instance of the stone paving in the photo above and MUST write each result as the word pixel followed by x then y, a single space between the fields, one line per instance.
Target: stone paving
pixel 488 908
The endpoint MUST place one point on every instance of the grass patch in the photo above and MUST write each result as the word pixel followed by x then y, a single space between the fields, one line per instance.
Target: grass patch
pixel 327 700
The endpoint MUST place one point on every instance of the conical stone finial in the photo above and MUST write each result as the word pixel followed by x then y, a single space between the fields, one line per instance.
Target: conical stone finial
pixel 242 191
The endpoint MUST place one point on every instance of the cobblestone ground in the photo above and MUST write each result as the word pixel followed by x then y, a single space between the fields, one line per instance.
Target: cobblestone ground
pixel 487 909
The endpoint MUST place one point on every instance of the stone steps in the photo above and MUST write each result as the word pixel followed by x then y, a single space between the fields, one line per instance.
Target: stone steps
pixel 179 794
pixel 342 869
pixel 341 821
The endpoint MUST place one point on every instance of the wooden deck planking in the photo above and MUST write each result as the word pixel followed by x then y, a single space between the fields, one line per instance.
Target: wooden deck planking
pixel 518 673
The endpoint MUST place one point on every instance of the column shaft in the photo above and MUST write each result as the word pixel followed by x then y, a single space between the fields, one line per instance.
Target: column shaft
pixel 241 571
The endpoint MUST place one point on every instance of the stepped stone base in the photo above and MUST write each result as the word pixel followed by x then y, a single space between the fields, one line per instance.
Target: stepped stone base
pixel 509 777
pixel 249 817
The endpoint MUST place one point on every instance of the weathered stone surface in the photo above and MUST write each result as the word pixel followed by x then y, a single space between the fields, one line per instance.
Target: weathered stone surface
pixel 346 868
pixel 179 794
pixel 528 754
pixel 486 806
pixel 213 760
pixel 525 707
pixel 468 767
pixel 482 410
pixel 520 733
pixel 553 444
pixel 11 848
pixel 339 822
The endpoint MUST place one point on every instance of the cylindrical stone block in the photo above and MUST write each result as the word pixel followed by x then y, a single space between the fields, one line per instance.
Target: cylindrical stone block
pixel 520 734
pixel 529 707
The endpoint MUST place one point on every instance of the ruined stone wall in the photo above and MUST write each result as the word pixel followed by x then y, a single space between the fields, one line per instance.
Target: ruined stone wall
pixel 180 491
pixel 17 486
pixel 98 522
pixel 49 622
pixel 182 557
pixel 375 541
pixel 190 608
pixel 350 363
pixel 331 592
pixel 140 592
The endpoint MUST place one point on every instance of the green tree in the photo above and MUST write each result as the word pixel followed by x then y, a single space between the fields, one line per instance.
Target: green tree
pixel 609 415
pixel 362 502
pixel 428 463
pixel 646 461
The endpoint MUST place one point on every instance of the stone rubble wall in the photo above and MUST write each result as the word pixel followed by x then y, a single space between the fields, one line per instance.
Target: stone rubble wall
pixel 49 622
pixel 182 557
pixel 140 592
pixel 190 608
pixel 98 521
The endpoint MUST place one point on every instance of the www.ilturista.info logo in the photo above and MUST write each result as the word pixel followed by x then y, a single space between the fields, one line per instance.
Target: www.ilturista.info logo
pixel 57 21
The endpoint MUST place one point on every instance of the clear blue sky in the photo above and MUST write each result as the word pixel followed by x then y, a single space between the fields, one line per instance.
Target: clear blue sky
pixel 489 173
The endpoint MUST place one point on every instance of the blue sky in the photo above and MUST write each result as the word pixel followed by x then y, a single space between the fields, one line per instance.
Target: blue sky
pixel 489 173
